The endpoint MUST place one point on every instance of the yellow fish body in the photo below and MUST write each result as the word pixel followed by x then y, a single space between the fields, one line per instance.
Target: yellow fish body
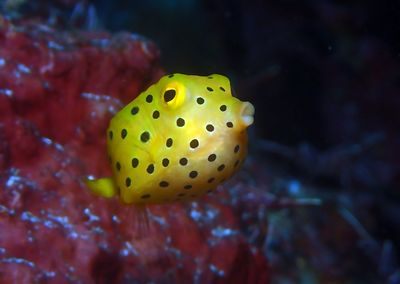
pixel 177 140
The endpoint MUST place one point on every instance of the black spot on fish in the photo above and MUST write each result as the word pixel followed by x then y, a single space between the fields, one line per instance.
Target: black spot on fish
pixel 200 100
pixel 164 183
pixel 149 98
pixel 124 132
pixel 145 136
pixel 180 122
pixel 169 142
pixel 156 114
pixel 194 143
pixel 135 162
pixel 193 174
pixel 165 162
pixel 150 168
pixel 128 182
pixel 134 110
pixel 183 161
pixel 210 128
pixel 212 157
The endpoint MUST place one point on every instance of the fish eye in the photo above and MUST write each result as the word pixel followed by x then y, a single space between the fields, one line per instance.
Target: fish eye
pixel 173 94
pixel 169 95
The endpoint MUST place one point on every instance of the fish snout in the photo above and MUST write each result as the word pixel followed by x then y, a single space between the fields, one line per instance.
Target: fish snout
pixel 246 114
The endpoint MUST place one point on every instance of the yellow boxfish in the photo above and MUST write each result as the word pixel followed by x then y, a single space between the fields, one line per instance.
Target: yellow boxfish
pixel 178 140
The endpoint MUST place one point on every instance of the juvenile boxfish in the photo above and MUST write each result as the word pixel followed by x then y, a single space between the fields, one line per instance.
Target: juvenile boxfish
pixel 176 141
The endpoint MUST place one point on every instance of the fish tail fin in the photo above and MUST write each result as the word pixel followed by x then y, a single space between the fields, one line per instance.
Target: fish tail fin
pixel 104 187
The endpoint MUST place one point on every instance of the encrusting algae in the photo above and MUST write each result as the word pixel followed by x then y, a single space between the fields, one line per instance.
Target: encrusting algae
pixel 176 141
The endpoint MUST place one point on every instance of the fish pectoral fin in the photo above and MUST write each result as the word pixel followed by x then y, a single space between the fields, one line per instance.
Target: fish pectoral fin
pixel 104 187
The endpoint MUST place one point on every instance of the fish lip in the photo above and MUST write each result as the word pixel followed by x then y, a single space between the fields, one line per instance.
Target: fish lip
pixel 247 113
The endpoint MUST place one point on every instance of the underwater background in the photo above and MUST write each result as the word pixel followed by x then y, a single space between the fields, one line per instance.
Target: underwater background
pixel 317 200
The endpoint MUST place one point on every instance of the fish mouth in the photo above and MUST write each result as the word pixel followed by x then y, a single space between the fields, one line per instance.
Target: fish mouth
pixel 247 113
